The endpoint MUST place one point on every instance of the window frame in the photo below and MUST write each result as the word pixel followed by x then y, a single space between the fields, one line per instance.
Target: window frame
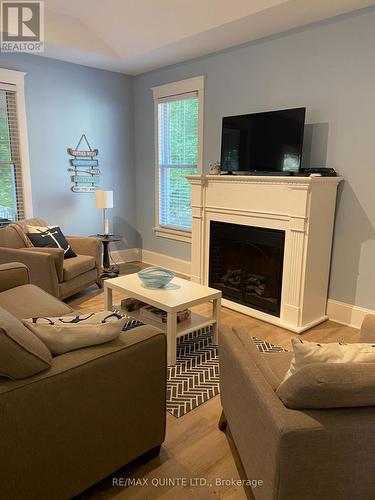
pixel 15 81
pixel 172 90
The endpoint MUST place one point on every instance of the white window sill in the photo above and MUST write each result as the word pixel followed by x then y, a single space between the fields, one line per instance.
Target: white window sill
pixel 173 234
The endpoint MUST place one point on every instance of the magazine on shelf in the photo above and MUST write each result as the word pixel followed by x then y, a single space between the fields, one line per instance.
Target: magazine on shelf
pixel 160 316
pixel 130 304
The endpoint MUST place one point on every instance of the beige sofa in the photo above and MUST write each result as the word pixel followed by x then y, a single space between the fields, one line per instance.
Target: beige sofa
pixel 93 411
pixel 48 268
pixel 299 455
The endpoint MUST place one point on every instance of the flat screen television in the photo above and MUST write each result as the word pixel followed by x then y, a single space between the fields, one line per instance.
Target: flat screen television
pixel 263 142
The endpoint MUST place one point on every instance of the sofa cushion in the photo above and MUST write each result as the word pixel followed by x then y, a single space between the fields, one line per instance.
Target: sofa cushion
pixel 29 300
pixel 68 288
pixel 22 354
pixel 306 353
pixel 78 265
pixel 68 333
pixel 329 385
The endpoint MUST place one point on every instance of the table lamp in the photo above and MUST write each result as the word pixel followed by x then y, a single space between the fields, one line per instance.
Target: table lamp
pixel 104 200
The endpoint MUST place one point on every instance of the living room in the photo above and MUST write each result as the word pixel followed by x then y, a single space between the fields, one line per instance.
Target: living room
pixel 240 364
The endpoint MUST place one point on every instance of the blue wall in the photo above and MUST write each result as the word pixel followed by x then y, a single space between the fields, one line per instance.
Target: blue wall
pixel 329 68
pixel 63 101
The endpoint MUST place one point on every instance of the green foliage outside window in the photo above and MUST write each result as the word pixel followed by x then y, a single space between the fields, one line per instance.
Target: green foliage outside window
pixel 178 157
pixel 7 195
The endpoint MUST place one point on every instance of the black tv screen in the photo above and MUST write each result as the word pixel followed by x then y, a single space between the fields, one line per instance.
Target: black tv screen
pixel 263 142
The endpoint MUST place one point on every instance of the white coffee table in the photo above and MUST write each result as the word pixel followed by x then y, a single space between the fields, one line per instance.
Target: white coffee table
pixel 178 295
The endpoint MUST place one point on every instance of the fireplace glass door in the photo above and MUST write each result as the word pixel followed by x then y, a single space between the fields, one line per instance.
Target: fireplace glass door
pixel 246 264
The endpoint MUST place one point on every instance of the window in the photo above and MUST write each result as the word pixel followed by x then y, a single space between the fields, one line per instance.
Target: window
pixel 11 199
pixel 178 117
pixel 15 199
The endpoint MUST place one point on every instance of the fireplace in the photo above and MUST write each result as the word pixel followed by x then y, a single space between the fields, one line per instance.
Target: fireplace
pixel 265 242
pixel 246 264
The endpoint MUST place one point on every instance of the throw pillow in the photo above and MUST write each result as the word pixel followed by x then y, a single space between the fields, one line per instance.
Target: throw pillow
pixel 50 237
pixel 22 354
pixel 306 353
pixel 68 333
pixel 329 385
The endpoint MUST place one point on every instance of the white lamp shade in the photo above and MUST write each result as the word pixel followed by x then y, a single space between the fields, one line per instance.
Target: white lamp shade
pixel 103 199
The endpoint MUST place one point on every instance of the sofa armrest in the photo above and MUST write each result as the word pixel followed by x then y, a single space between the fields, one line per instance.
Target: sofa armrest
pixel 58 257
pixel 12 275
pixel 86 245
pixel 111 406
pixel 367 331
pixel 41 265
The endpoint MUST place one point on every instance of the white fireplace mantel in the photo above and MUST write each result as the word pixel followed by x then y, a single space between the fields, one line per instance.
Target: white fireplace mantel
pixel 303 207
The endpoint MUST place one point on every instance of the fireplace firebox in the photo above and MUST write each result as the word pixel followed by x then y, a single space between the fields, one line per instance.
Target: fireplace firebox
pixel 246 264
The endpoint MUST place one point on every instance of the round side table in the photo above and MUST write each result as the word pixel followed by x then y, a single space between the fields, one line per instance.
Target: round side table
pixel 106 240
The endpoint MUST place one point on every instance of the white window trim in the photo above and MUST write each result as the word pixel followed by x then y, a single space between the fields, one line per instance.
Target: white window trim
pixel 195 84
pixel 15 80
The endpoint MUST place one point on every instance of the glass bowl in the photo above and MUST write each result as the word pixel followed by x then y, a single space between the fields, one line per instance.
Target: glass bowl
pixel 155 277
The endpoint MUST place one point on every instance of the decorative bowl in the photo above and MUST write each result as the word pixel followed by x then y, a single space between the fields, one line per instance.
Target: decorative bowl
pixel 155 277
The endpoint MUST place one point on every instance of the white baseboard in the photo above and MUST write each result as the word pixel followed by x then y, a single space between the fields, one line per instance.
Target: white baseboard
pixel 127 255
pixel 347 314
pixel 172 263
pixel 153 258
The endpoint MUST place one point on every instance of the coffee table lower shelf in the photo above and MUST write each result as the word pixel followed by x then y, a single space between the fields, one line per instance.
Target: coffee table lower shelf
pixel 178 295
pixel 195 322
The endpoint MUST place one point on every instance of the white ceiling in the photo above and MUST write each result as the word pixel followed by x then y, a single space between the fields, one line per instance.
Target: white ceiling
pixel 134 36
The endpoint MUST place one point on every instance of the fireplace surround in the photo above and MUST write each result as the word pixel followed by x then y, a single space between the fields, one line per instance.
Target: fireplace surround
pixel 300 209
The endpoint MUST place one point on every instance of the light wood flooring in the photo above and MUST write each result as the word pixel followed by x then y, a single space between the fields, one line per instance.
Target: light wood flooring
pixel 194 447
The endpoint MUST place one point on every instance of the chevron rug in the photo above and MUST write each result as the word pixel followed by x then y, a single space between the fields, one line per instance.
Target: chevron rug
pixel 194 379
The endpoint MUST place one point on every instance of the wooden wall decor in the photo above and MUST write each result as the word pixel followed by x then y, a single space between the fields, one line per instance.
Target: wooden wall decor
pixel 84 169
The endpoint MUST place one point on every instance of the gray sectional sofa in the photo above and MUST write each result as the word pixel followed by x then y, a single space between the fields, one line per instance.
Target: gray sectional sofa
pixel 319 454
pixel 93 411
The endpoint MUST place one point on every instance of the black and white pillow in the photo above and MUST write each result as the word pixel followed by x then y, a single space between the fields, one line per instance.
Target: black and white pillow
pixel 50 237
pixel 67 333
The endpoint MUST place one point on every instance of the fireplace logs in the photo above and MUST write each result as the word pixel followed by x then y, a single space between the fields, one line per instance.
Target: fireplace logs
pixel 256 283
pixel 232 278
pixel 253 283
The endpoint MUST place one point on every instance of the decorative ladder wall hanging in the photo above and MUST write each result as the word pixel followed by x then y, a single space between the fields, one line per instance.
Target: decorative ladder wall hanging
pixel 84 170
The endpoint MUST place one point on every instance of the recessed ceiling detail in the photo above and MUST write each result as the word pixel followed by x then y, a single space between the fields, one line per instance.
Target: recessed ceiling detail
pixel 136 36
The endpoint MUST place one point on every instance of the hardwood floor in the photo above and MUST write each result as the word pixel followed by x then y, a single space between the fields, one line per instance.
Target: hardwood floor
pixel 194 446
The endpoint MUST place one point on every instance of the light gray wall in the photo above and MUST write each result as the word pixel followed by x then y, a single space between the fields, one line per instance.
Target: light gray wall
pixel 330 69
pixel 63 101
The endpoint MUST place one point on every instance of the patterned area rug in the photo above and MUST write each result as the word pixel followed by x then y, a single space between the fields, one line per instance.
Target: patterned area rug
pixel 194 379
